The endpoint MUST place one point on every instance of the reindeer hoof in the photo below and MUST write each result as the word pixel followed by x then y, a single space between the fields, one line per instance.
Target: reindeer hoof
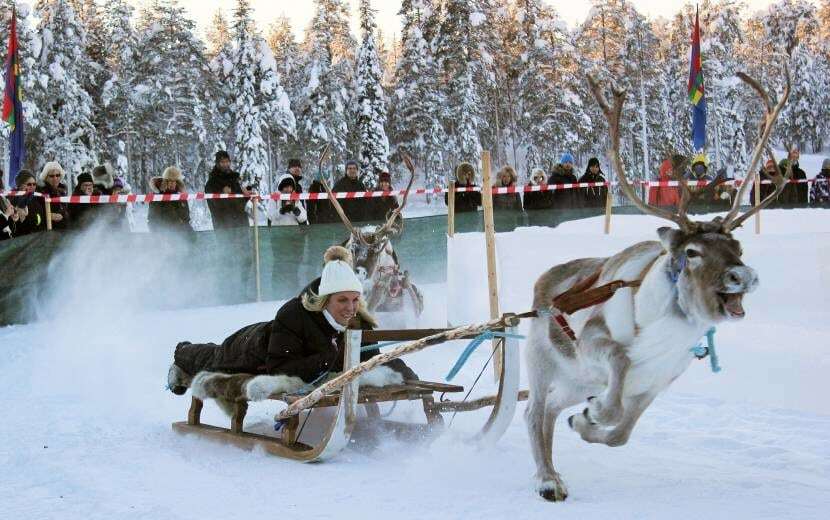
pixel 571 422
pixel 553 490
pixel 587 415
pixel 591 398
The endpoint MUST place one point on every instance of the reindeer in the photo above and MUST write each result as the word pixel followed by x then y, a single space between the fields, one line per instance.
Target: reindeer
pixel 628 349
pixel 388 289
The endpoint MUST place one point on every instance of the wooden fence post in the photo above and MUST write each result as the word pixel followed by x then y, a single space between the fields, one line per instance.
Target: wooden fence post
pixel 758 203
pixel 48 205
pixel 451 210
pixel 490 243
pixel 254 203
pixel 608 203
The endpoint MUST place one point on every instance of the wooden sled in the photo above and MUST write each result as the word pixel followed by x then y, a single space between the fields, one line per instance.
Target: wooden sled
pixel 339 432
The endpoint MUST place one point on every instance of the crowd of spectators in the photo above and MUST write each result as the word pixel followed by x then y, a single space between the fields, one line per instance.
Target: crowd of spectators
pixel 26 213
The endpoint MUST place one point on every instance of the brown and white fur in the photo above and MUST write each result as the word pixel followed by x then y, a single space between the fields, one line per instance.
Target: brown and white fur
pixel 633 346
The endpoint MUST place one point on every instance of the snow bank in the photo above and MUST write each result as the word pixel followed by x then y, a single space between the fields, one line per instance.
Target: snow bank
pixel 87 431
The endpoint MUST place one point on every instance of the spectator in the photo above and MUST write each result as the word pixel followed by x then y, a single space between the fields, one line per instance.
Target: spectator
pixel 106 183
pixel 8 217
pixel 538 199
pixel 355 209
pixel 465 178
pixel 820 193
pixel 789 197
pixel 320 211
pixel 506 178
pixel 81 215
pixel 286 212
pixel 381 207
pixel 295 169
pixel 801 190
pixel 768 173
pixel 593 197
pixel 49 183
pixel 31 212
pixel 172 215
pixel 227 213
pixel 665 195
pixel 563 173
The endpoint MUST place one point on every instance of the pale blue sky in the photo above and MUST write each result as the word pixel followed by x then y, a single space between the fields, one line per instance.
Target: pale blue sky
pixel 300 11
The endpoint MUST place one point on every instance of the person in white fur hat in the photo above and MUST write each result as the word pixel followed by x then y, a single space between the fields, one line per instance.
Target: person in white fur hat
pixel 302 344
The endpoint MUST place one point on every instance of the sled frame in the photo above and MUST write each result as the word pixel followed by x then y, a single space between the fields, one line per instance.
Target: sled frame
pixel 338 433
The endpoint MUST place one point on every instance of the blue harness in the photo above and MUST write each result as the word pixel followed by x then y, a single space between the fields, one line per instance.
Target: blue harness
pixel 700 351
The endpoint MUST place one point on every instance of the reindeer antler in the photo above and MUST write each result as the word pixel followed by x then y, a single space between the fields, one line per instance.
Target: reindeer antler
pixel 388 227
pixel 612 115
pixel 732 220
pixel 337 207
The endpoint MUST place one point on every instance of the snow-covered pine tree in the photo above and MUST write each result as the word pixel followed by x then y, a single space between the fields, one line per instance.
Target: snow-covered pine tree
pixel 260 101
pixel 416 97
pixel 218 35
pixel 371 112
pixel 118 106
pixel 324 115
pixel 455 51
pixel 173 93
pixel 790 26
pixel 66 130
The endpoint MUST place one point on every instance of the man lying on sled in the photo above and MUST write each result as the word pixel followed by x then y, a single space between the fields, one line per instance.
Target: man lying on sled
pixel 303 344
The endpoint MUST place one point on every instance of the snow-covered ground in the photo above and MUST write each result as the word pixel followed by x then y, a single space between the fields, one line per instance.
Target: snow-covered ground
pixel 87 420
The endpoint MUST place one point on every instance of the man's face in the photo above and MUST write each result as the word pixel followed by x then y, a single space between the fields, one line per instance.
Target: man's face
pixel 296 171
pixel 86 188
pixel 568 167
pixel 225 164
pixel 385 186
pixel 351 171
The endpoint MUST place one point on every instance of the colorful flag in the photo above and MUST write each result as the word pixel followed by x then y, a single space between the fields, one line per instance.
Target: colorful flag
pixel 12 106
pixel 696 93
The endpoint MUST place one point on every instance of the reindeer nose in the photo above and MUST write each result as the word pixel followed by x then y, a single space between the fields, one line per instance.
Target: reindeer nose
pixel 740 279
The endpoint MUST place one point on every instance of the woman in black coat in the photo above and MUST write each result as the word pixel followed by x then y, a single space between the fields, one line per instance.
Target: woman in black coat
pixel 304 342
pixel 593 197
pixel 172 215
pixel 542 199
pixel 32 218
pixel 465 200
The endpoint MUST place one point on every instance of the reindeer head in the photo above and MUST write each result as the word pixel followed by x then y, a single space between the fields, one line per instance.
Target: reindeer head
pixel 705 260
pixel 371 245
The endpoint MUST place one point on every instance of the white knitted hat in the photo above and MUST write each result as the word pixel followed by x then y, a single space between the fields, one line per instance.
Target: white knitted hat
pixel 338 275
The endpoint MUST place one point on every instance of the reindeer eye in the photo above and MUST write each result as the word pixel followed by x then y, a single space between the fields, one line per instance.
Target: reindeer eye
pixel 692 253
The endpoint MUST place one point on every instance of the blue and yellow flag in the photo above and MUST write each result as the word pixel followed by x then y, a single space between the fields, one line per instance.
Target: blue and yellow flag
pixel 12 105
pixel 696 93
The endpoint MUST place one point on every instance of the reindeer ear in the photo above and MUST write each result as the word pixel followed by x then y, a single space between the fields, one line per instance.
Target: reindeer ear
pixel 668 237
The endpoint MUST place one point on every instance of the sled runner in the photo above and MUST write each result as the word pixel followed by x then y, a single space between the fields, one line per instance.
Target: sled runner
pixel 287 443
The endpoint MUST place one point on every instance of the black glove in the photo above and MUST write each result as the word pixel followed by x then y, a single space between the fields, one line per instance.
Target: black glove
pixel 286 208
pixel 296 211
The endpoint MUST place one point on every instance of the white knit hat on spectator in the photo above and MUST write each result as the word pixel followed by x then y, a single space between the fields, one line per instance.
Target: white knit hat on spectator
pixel 338 274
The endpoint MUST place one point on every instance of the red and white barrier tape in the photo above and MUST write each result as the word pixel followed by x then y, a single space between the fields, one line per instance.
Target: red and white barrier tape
pixel 170 197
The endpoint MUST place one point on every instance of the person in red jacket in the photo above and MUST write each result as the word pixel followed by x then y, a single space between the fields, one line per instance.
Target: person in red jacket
pixel 664 195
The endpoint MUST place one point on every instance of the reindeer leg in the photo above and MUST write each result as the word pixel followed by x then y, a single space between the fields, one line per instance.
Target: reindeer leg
pixel 607 409
pixel 619 434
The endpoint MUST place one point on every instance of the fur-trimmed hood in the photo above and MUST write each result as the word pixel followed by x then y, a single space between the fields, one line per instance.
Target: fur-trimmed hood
pixel 103 175
pixel 465 173
pixel 171 173
pixel 508 170
pixel 538 177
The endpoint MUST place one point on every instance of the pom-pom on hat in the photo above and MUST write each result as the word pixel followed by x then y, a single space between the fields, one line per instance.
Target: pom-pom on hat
pixel 338 274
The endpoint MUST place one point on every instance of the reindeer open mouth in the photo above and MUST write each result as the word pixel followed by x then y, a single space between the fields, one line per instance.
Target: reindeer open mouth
pixel 732 305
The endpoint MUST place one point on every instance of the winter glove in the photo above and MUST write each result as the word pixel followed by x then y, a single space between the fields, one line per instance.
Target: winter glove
pixel 296 211
pixel 285 209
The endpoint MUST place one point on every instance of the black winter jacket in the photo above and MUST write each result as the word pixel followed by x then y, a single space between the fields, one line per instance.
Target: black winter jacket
pixel 57 208
pixel 169 216
pixel 319 211
pixel 228 213
pixel 593 197
pixel 380 207
pixel 355 209
pixel 297 342
pixel 465 201
pixel 564 199
pixel 36 219
pixel 538 200
pixel 506 201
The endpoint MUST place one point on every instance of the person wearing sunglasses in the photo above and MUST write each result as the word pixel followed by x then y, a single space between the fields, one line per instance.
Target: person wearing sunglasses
pixel 50 183
pixel 30 209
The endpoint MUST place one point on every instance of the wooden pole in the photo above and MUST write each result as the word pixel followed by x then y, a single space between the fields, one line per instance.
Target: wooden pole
pixel 608 203
pixel 451 210
pixel 254 202
pixel 490 243
pixel 48 214
pixel 758 203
